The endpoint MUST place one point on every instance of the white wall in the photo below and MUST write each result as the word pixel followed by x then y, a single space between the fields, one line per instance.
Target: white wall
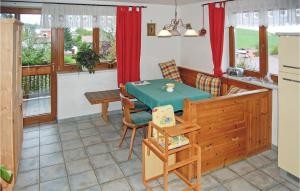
pixel 72 86
pixel 196 52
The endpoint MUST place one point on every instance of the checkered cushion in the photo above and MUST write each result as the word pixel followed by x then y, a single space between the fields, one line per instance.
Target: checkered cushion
pixel 209 84
pixel 235 90
pixel 169 70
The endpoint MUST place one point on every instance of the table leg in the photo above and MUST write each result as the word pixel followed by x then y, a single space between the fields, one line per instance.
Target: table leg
pixel 104 113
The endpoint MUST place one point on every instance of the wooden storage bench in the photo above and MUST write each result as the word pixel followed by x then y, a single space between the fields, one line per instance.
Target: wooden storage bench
pixel 103 98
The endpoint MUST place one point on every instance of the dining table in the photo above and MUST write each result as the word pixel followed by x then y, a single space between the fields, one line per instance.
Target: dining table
pixel 154 93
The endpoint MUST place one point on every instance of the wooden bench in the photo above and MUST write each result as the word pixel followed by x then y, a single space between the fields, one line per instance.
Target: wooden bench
pixel 104 98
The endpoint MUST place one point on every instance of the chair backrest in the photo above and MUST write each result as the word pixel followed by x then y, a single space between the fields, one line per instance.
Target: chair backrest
pixel 163 116
pixel 123 90
pixel 127 105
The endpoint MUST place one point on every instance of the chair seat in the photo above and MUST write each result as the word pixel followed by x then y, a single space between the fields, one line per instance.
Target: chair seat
pixel 175 142
pixel 139 105
pixel 141 118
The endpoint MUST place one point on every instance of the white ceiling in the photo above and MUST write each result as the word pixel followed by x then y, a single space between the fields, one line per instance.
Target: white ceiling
pixel 165 2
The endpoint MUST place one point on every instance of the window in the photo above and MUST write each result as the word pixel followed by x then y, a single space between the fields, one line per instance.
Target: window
pixel 247 48
pixel 74 40
pixel 6 15
pixel 36 42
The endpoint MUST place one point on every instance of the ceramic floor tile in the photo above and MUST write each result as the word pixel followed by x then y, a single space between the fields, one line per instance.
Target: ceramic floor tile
pixel 52 172
pixel 51 148
pixel 27 178
pixel 292 187
pixel 30 152
pixel 31 135
pixel 48 132
pixel 177 185
pixel 75 167
pixel 83 180
pixel 110 136
pixel 279 188
pixel 274 171
pixel 85 125
pixel 270 154
pixel 108 173
pixel 55 185
pixel 122 155
pixel 74 154
pixel 29 164
pixel 101 160
pixel 117 185
pixel 51 159
pixel 208 182
pixel 114 145
pixel 88 132
pixel 94 188
pixel 96 149
pixel 218 188
pixel 260 180
pixel 49 139
pixel 171 177
pixel 92 140
pixel 241 168
pixel 240 184
pixel 30 143
pixel 259 161
pixel 69 136
pixel 131 167
pixel 224 175
pixel 106 128
pixel 137 184
pixel 29 188
pixel 73 144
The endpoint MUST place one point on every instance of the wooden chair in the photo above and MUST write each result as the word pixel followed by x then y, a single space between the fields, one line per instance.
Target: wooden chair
pixel 138 106
pixel 133 120
pixel 164 141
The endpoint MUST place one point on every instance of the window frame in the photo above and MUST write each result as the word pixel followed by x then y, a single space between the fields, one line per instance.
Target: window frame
pixel 263 52
pixel 58 41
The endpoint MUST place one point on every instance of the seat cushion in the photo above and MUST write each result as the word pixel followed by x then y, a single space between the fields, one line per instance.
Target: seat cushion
pixel 235 90
pixel 139 105
pixel 141 118
pixel 169 70
pixel 175 142
pixel 209 84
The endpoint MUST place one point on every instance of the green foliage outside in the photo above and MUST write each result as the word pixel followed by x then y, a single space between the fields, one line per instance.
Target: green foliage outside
pixel 249 39
pixel 36 50
pixel 69 59
pixel 84 32
pixel 68 41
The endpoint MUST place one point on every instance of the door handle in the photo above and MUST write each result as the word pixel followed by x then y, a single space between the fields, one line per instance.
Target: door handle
pixel 293 67
pixel 290 80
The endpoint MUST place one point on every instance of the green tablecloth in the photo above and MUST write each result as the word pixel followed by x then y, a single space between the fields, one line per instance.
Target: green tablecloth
pixel 155 94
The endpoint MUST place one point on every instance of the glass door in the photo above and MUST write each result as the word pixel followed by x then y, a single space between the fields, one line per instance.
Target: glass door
pixel 38 72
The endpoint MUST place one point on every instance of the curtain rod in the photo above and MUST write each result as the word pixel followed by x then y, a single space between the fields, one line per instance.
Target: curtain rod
pixel 216 2
pixel 83 4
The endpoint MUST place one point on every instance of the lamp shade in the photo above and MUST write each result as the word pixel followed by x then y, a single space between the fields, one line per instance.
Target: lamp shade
pixel 190 32
pixel 164 33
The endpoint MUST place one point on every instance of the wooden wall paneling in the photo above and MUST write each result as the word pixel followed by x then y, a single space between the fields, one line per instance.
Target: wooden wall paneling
pixel 11 126
pixel 96 41
pixel 18 10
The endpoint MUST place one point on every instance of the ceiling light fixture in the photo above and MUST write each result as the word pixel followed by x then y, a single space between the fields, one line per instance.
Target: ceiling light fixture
pixel 172 29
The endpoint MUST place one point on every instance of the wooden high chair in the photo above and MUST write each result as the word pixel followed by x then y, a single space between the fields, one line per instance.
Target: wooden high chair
pixel 165 140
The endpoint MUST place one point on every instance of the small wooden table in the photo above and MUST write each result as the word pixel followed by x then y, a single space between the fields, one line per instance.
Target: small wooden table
pixel 104 98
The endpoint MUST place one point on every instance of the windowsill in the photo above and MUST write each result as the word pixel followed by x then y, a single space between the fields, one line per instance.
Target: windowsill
pixel 254 81
pixel 73 69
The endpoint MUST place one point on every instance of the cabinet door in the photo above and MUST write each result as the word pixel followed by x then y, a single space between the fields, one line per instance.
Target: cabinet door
pixel 289 58
pixel 289 123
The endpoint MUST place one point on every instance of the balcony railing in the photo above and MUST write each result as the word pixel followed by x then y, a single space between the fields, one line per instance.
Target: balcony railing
pixel 36 86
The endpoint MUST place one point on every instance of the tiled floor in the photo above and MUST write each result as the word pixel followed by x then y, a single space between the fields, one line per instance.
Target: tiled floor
pixel 82 154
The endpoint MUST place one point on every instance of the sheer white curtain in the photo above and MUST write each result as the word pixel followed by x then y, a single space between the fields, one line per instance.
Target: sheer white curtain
pixel 77 16
pixel 263 12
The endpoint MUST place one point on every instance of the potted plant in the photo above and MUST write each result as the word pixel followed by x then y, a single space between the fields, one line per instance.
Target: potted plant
pixel 87 58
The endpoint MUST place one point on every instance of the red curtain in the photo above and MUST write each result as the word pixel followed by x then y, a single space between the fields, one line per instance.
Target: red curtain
pixel 216 27
pixel 128 43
